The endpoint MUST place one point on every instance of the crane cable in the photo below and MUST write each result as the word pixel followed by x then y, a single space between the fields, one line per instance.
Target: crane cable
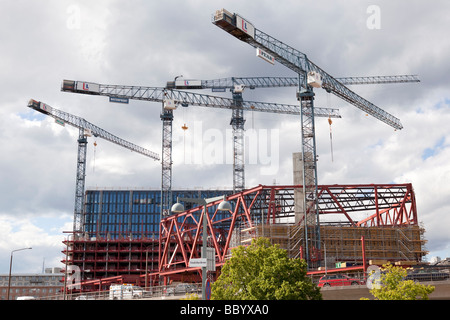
pixel 330 122
pixel 252 107
pixel 95 149
pixel 331 139
pixel 184 127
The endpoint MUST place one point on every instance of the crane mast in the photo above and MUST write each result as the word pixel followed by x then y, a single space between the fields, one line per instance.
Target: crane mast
pixel 85 129
pixel 310 76
pixel 170 99
pixel 237 122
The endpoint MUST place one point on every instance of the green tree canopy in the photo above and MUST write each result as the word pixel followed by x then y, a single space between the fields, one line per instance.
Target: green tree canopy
pixel 393 286
pixel 263 271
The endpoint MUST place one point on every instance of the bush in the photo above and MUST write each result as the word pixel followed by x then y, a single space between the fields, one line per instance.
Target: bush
pixel 263 271
pixel 393 286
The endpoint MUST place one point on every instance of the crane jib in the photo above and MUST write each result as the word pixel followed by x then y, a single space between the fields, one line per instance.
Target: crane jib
pixel 177 97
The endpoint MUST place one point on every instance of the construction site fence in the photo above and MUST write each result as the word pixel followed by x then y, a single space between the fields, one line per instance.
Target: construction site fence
pixel 168 292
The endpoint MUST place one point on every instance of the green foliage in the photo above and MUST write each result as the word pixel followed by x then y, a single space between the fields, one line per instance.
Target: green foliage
pixel 262 271
pixel 191 296
pixel 394 287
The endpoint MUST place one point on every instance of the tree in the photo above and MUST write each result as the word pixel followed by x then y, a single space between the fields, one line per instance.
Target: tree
pixel 393 286
pixel 263 271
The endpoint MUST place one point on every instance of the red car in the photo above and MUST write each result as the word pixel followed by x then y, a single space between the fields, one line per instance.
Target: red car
pixel 334 280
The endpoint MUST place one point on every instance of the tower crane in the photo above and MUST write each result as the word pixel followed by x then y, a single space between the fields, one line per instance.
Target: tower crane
pixel 310 76
pixel 86 129
pixel 170 99
pixel 237 85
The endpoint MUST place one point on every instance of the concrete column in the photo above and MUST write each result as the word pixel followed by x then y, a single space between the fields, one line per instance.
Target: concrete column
pixel 297 165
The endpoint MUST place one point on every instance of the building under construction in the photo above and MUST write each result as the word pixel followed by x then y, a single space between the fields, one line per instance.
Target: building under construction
pixel 119 241
pixel 124 239
pixel 122 249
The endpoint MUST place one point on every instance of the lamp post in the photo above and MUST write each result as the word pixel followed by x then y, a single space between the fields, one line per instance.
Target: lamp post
pixel 223 206
pixel 10 268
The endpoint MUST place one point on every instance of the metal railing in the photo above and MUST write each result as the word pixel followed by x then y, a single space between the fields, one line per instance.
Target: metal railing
pixel 175 291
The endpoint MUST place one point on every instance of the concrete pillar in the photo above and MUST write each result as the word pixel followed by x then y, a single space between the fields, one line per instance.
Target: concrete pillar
pixel 297 165
pixel 298 180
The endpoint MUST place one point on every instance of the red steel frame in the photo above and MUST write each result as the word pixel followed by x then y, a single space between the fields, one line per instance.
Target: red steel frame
pixel 180 234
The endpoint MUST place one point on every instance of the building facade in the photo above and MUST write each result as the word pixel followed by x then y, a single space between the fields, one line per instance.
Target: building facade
pixel 44 285
pixel 132 214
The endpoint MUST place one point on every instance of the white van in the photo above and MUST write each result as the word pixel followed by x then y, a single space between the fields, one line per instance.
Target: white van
pixel 125 291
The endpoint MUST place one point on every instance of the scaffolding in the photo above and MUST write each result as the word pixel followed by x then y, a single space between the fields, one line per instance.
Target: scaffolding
pixel 343 243
pixel 116 259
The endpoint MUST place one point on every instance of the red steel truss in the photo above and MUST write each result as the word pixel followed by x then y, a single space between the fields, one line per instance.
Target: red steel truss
pixel 356 205
pixel 393 205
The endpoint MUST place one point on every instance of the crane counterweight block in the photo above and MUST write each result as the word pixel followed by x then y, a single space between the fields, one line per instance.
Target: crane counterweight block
pixel 39 106
pixel 81 87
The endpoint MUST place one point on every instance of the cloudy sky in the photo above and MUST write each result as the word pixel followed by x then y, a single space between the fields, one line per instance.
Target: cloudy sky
pixel 147 43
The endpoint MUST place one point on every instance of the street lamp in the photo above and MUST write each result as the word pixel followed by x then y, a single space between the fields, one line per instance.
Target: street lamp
pixel 223 206
pixel 10 268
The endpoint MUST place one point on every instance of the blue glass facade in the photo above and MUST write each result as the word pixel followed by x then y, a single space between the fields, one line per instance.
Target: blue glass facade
pixel 116 214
